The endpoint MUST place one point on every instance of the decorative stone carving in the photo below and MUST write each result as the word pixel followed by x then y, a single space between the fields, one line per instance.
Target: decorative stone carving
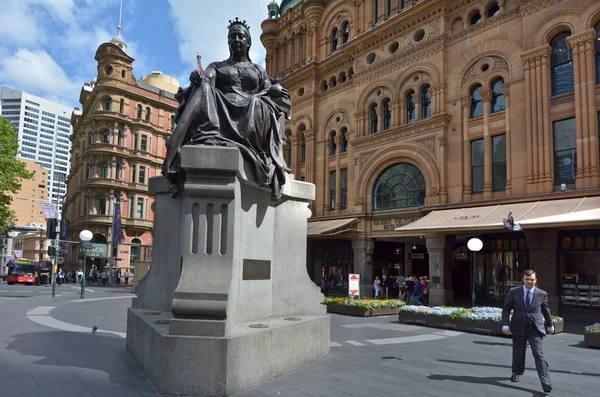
pixel 428 142
pixel 358 201
pixel 434 191
pixel 365 157
pixel 485 67
pixel 385 138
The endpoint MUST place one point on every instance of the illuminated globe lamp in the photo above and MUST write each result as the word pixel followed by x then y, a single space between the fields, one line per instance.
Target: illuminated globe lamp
pixel 85 236
pixel 475 245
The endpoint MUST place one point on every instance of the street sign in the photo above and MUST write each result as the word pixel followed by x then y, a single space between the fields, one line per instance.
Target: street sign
pixel 49 210
pixel 354 285
pixel 87 245
pixel 111 261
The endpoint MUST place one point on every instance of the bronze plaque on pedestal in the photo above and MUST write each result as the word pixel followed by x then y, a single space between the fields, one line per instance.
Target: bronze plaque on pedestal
pixel 256 269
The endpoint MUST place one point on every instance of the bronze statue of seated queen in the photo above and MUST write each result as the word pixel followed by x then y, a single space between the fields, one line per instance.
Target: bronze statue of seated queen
pixel 233 103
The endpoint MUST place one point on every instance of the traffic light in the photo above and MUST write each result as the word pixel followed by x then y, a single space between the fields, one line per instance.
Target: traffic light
pixel 65 224
pixel 51 228
pixel 51 251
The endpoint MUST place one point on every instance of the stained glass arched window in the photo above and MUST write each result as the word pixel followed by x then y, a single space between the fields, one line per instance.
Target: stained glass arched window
pixel 401 185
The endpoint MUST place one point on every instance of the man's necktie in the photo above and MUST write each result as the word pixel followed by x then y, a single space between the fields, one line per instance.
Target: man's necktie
pixel 527 303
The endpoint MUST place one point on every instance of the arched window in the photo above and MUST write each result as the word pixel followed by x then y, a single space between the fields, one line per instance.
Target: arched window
pixel 147 113
pixel 138 111
pixel 497 96
pixel 334 40
pixel 172 121
pixel 375 11
pixel 410 107
pixel 562 65
pixel 475 18
pixel 476 103
pixel 122 106
pixel 388 7
pixel 344 140
pixel 135 248
pixel 373 118
pixel 425 102
pixel 106 137
pixel 120 138
pixel 108 105
pixel 597 45
pixel 332 144
pixel 345 32
pixel 104 170
pixel 387 115
pixel 493 10
pixel 399 186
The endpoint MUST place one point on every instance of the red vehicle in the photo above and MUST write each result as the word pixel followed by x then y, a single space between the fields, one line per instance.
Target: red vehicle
pixel 20 271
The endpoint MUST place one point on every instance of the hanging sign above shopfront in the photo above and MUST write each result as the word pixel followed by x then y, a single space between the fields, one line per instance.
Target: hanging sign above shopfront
pixel 390 223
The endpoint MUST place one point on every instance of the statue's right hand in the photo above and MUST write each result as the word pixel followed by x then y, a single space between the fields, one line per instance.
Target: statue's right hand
pixel 195 78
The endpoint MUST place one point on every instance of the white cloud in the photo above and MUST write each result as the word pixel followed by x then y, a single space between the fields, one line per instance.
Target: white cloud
pixel 37 72
pixel 204 29
pixel 18 24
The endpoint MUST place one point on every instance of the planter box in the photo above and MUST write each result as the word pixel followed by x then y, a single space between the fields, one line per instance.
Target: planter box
pixel 591 339
pixel 480 327
pixel 359 311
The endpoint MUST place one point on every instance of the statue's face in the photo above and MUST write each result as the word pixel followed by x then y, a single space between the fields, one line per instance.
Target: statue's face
pixel 239 42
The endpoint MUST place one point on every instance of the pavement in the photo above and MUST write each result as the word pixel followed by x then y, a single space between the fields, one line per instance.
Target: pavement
pixel 49 349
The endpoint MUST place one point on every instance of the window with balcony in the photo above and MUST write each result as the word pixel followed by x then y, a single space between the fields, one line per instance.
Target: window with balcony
pixel 142 177
pixel 334 40
pixel 133 173
pixel 144 144
pixel 108 105
pixel 375 11
pixel 122 106
pixel 104 170
pixel 135 141
pixel 147 113
pixel 345 32
pixel 102 206
pixel 106 137
pixel 138 111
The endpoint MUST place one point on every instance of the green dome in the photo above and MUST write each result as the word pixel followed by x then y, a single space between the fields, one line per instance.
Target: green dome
pixel 286 5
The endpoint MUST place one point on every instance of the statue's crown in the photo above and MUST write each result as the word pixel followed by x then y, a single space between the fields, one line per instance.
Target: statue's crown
pixel 236 21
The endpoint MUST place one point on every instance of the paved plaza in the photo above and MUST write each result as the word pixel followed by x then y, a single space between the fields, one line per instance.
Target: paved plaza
pixel 49 350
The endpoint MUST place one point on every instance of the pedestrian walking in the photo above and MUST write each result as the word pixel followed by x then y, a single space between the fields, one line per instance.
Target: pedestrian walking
pixel 126 275
pixel 377 287
pixel 410 288
pixel 530 322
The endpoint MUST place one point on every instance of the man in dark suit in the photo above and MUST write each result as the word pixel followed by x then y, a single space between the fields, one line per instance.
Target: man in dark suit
pixel 530 322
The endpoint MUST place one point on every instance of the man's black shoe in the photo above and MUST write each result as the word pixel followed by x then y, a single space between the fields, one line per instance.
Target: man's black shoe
pixel 514 378
pixel 547 388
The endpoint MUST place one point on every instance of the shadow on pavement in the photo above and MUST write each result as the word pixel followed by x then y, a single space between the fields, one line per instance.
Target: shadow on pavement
pixel 481 342
pixel 509 367
pixel 98 361
pixel 491 380
pixel 391 358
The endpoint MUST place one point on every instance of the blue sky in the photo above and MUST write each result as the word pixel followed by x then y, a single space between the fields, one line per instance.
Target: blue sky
pixel 47 47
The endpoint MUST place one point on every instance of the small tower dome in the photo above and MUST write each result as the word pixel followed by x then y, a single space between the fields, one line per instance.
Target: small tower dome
pixel 118 40
pixel 273 9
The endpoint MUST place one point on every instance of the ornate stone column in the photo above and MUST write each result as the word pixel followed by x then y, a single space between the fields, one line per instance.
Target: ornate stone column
pixel 440 269
pixel 585 110
pixel 466 157
pixel 506 93
pixel 537 107
pixel 380 118
pixel 402 110
pixel 486 97
pixel 310 157
pixel 395 107
pixel 338 174
pixel 295 160
pixel 443 171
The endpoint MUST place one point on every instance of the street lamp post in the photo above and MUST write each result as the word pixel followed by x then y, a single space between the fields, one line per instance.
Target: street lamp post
pixel 85 236
pixel 475 245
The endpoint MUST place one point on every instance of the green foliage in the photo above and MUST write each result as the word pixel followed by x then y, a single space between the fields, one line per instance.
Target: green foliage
pixel 369 304
pixel 12 171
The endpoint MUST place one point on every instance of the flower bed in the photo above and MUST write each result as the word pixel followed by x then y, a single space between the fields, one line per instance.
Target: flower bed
pixel 486 320
pixel 591 338
pixel 363 307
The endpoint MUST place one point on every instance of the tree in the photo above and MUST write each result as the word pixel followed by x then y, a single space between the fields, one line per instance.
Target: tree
pixel 12 172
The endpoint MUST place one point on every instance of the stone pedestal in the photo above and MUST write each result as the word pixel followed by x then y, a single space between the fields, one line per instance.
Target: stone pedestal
pixel 227 302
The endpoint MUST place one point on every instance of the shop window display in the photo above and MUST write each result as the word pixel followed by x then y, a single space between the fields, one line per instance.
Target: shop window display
pixel 580 267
